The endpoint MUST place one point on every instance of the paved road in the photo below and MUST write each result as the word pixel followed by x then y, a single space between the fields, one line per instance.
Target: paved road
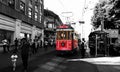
pixel 51 63
pixel 5 61
pixel 104 64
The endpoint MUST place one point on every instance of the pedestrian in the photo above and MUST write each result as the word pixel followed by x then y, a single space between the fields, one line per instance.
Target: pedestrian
pixel 14 58
pixel 51 43
pixel 25 53
pixel 87 50
pixel 36 46
pixel 30 42
pixel 33 47
pixel 8 45
pixel 40 43
pixel 16 45
pixel 79 43
pixel 83 48
pixel 4 45
pixel 46 45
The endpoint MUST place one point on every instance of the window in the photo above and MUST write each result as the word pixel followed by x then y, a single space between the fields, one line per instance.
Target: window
pixel 36 8
pixel 4 1
pixel 70 35
pixel 36 2
pixel 22 7
pixel 36 16
pixel 40 18
pixel 40 14
pixel 30 3
pixel 40 9
pixel 11 3
pixel 50 25
pixel 41 1
pixel 36 12
pixel 30 12
pixel 61 35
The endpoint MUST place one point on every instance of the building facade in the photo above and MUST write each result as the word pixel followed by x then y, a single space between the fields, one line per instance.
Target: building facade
pixel 21 18
pixel 51 21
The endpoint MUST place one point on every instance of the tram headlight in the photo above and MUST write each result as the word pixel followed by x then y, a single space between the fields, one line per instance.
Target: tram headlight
pixel 62 44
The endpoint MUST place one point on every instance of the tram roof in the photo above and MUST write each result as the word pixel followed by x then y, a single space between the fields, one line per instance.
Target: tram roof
pixel 64 26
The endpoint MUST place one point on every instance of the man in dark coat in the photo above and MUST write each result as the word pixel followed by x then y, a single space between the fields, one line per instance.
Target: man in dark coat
pixel 25 52
pixel 83 48
pixel 16 44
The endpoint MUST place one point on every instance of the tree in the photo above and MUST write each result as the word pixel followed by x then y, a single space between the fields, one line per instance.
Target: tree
pixel 109 12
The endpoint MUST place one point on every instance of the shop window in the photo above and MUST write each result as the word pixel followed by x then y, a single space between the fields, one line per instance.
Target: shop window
pixel 22 6
pixel 50 25
pixel 11 3
pixel 113 40
pixel 30 12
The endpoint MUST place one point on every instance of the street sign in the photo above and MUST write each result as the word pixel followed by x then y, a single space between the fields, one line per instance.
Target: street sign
pixel 82 22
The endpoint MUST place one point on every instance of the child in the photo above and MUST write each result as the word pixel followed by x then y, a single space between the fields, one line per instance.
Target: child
pixel 14 57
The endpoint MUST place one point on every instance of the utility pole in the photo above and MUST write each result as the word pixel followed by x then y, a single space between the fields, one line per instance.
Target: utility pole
pixel 96 45
pixel 81 23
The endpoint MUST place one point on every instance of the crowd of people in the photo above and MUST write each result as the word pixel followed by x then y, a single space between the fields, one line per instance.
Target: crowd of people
pixel 24 46
pixel 17 43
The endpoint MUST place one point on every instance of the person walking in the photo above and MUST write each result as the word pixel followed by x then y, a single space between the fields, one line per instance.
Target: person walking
pixel 87 49
pixel 25 53
pixel 46 45
pixel 16 44
pixel 4 45
pixel 33 47
pixel 8 45
pixel 83 48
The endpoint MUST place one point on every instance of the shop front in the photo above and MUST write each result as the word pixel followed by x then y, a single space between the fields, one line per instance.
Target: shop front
pixel 5 34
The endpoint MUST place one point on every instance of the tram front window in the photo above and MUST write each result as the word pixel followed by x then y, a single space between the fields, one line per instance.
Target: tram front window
pixel 64 35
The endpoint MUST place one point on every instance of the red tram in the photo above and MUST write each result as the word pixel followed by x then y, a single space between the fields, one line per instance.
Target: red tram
pixel 66 39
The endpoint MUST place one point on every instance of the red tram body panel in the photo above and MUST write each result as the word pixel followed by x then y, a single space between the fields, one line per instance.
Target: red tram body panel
pixel 67 45
pixel 66 38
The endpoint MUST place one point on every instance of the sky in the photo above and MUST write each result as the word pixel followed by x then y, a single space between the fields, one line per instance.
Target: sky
pixel 75 11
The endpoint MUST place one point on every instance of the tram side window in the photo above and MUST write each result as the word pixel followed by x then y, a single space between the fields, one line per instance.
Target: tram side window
pixel 69 35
